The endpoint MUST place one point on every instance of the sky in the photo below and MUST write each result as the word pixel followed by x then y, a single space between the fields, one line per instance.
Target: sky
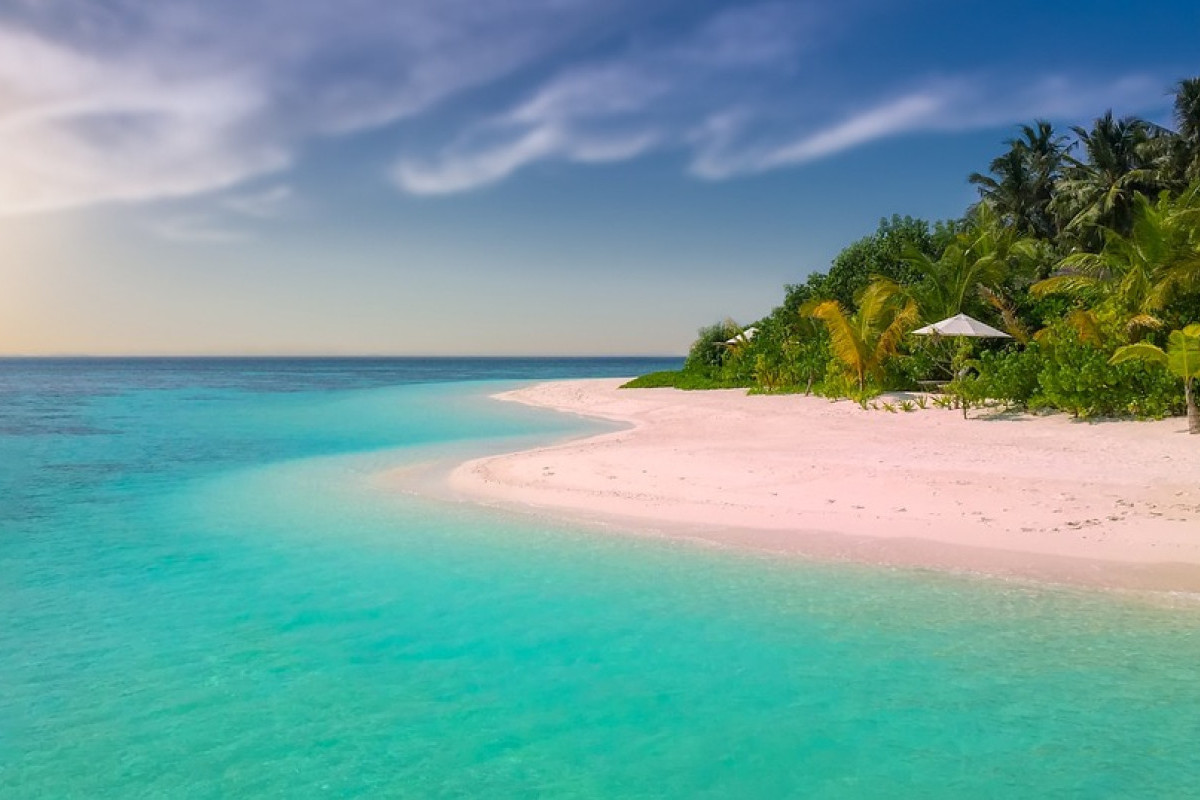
pixel 510 177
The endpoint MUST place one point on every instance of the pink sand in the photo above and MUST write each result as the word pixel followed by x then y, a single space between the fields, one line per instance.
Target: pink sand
pixel 1048 497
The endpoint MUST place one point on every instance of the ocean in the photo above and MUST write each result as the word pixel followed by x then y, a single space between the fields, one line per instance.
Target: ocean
pixel 207 591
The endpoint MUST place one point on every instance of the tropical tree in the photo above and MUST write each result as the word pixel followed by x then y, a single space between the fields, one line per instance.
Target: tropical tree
pixel 1177 153
pixel 881 254
pixel 809 356
pixel 1098 191
pixel 1137 275
pixel 1187 122
pixel 980 259
pixel 863 341
pixel 1182 358
pixel 709 352
pixel 1021 184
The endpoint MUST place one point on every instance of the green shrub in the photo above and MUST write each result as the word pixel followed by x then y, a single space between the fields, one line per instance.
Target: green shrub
pixel 1076 377
pixel 1010 376
pixel 709 352
pixel 654 380
pixel 907 370
pixel 786 361
pixel 738 368
pixel 1067 374
pixel 676 379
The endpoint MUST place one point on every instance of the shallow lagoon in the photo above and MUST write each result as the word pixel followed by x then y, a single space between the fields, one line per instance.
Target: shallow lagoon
pixel 206 593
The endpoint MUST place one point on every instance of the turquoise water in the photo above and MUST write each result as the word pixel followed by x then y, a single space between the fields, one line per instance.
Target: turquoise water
pixel 204 592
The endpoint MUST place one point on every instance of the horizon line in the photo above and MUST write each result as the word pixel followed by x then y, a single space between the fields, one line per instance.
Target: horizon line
pixel 313 356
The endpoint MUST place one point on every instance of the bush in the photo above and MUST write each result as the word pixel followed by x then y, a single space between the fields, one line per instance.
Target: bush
pixel 837 385
pixel 654 380
pixel 738 367
pixel 709 352
pixel 1076 377
pixel 906 370
pixel 676 379
pixel 1008 375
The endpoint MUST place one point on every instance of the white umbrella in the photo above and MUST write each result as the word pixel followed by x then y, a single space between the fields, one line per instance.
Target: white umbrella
pixel 742 337
pixel 961 325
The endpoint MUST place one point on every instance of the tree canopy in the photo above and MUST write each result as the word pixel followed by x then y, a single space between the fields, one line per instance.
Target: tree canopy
pixel 1084 243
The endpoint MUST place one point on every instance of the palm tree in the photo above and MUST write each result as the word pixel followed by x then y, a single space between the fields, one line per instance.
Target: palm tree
pixel 1187 109
pixel 865 340
pixel 806 348
pixel 1139 274
pixel 1021 184
pixel 983 257
pixel 1182 357
pixel 1099 191
pixel 1178 154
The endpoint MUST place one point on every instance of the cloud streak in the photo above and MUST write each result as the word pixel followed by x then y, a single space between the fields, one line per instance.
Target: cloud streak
pixel 265 204
pixel 131 102
pixel 732 108
pixel 623 107
pixel 197 228
pixel 76 130
pixel 727 146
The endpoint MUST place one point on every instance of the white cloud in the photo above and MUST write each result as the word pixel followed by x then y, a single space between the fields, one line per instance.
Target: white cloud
pixel 76 130
pixel 141 101
pixel 480 167
pixel 197 229
pixel 263 204
pixel 620 108
pixel 726 147
pixel 735 98
pixel 134 101
pixel 894 116
pixel 718 157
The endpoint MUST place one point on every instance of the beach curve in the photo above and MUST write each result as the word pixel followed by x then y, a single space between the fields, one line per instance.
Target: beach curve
pixel 1114 504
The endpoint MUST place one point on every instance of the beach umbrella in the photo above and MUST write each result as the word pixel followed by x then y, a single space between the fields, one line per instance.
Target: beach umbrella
pixel 960 326
pixel 742 337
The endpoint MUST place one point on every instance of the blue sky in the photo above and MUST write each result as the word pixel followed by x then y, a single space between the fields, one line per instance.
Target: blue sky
pixel 542 176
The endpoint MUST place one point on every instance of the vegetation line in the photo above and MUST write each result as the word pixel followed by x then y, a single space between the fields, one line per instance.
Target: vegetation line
pixel 1085 248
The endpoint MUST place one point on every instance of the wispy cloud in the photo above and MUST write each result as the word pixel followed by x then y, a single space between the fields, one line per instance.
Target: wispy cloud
pixel 263 204
pixel 621 107
pixel 722 150
pixel 727 146
pixel 497 150
pixel 197 228
pixel 134 101
pixel 76 129
pixel 228 220
pixel 733 108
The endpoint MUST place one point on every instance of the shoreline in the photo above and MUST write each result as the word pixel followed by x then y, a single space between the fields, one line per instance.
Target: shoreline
pixel 1102 504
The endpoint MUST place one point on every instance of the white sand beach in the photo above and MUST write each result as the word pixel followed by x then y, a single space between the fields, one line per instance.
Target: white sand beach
pixel 1044 497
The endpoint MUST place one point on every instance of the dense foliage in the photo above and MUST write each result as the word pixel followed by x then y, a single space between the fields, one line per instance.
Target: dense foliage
pixel 1084 247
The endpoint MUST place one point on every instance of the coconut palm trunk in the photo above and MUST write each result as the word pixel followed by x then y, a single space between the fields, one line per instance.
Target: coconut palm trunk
pixel 1193 413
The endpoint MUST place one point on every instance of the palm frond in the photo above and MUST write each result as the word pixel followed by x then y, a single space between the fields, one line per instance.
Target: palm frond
pixel 901 323
pixel 1183 352
pixel 844 340
pixel 1141 351
pixel 1063 284
pixel 1013 325
pixel 1141 322
pixel 1087 326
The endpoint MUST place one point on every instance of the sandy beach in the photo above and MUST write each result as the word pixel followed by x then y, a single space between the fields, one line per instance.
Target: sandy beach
pixel 1108 503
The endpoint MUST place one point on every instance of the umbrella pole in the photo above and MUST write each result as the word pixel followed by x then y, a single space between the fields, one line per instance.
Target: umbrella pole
pixel 956 368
